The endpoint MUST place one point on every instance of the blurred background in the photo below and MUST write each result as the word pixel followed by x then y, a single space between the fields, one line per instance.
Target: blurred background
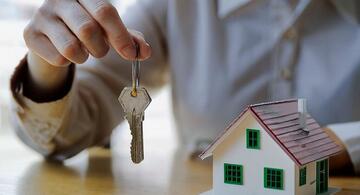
pixel 14 16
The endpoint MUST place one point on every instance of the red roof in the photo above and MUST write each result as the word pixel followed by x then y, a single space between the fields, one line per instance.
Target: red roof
pixel 281 120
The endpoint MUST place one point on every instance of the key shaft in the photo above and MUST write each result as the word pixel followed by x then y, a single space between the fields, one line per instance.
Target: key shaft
pixel 137 145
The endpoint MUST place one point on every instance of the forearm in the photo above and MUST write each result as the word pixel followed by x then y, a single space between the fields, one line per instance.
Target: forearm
pixel 82 116
pixel 349 135
pixel 340 163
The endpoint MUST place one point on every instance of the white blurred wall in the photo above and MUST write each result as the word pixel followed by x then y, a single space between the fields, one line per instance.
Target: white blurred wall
pixel 14 15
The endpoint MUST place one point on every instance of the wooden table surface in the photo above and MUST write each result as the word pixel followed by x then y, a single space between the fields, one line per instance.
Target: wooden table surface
pixel 165 170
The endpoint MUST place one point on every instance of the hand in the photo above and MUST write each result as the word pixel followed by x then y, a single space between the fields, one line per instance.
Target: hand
pixel 341 163
pixel 64 31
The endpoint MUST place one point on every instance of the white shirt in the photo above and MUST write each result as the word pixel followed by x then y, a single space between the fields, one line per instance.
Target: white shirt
pixel 221 55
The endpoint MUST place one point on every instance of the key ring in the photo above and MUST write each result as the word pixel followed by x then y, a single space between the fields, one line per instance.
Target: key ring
pixel 135 72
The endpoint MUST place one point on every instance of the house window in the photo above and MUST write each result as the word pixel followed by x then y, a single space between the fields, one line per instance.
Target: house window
pixel 302 176
pixel 253 138
pixel 322 174
pixel 233 174
pixel 273 178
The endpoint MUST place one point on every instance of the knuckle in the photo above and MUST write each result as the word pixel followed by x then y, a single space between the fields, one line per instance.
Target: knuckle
pixel 87 29
pixel 29 35
pixel 60 60
pixel 28 32
pixel 71 48
pixel 43 11
pixel 83 58
pixel 102 52
pixel 138 33
pixel 123 42
pixel 105 11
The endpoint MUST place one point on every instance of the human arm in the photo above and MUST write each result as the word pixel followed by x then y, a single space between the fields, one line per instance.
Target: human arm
pixel 347 135
pixel 85 114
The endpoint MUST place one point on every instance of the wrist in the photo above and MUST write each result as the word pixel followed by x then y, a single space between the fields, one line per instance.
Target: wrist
pixel 44 81
pixel 39 72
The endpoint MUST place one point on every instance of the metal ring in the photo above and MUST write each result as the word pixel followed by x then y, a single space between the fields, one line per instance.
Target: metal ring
pixel 135 72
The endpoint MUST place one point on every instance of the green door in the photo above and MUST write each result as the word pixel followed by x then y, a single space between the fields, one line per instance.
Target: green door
pixel 322 175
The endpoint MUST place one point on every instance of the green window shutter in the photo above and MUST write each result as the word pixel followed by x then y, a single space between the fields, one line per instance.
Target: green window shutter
pixel 322 174
pixel 253 138
pixel 233 174
pixel 273 178
pixel 302 176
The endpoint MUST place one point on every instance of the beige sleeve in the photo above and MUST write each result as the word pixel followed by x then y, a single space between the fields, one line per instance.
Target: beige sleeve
pixel 88 110
pixel 349 134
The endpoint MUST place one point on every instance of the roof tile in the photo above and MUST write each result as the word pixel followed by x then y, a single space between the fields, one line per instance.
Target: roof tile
pixel 284 126
pixel 281 120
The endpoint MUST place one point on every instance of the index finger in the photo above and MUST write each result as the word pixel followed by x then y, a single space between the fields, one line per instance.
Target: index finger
pixel 108 18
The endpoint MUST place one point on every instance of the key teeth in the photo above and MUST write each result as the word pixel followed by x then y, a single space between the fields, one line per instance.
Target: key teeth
pixel 135 161
pixel 133 158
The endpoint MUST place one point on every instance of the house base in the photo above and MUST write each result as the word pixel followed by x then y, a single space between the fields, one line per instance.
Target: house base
pixel 331 191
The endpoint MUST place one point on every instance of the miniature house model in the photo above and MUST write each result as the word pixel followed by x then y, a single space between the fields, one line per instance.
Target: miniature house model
pixel 272 148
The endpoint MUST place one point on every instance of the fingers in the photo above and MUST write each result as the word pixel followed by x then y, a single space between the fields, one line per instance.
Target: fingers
pixel 64 41
pixel 42 46
pixel 145 49
pixel 66 31
pixel 85 28
pixel 108 18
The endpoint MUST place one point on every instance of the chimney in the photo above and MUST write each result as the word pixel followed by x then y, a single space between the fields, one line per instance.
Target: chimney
pixel 303 113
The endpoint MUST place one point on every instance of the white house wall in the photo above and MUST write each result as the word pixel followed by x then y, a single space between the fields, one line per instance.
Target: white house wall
pixel 233 150
pixel 310 187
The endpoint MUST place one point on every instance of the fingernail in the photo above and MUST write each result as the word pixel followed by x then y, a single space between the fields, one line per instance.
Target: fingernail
pixel 129 52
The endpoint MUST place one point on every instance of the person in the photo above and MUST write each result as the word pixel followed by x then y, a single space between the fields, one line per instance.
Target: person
pixel 218 55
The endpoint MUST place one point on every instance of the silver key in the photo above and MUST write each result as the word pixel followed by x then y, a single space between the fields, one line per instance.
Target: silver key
pixel 134 107
pixel 134 102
